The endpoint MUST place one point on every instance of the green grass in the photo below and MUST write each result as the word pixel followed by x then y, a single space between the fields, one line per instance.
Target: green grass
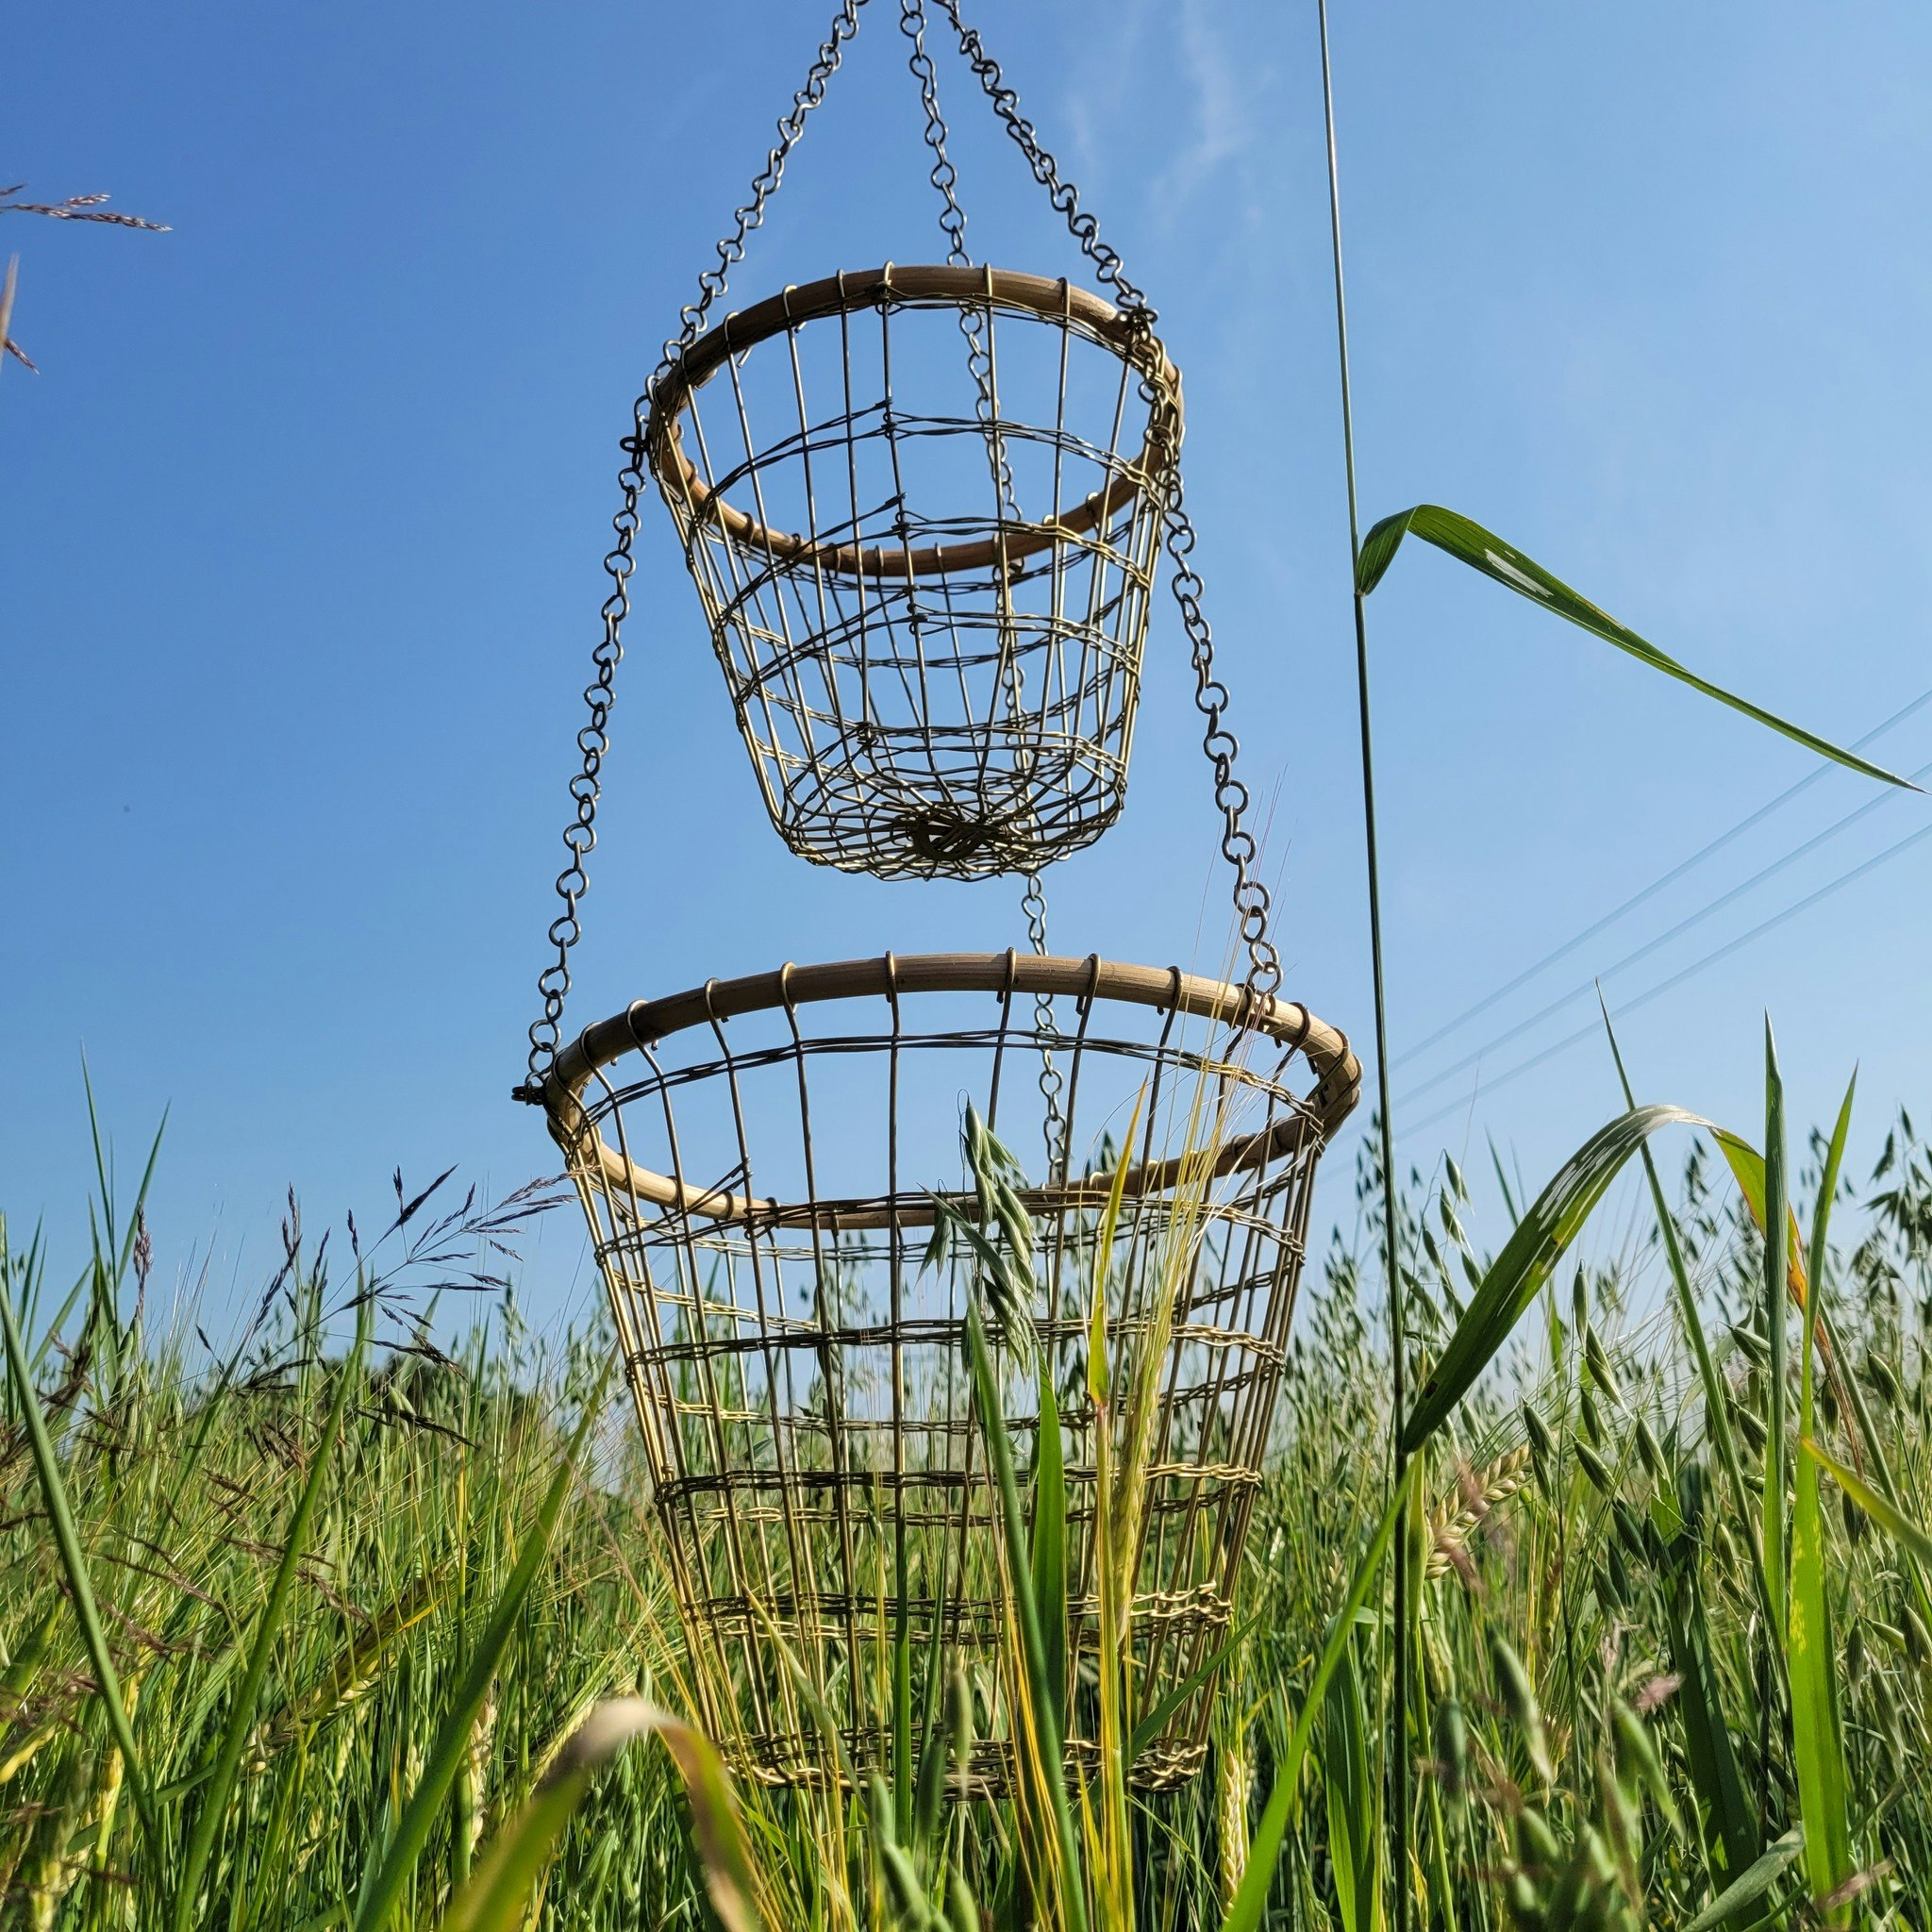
pixel 300 1635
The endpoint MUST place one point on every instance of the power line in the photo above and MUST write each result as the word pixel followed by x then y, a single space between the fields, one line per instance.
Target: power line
pixel 1678 979
pixel 1650 946
pixel 1656 885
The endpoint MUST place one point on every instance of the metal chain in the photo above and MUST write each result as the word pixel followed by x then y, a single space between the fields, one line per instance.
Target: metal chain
pixel 593 741
pixel 713 282
pixel 980 362
pixel 1231 798
pixel 944 177
pixel 1238 844
pixel 1053 1082
pixel 1083 228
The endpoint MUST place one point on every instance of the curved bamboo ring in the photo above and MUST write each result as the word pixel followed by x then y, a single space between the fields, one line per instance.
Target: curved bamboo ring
pixel 874 288
pixel 1286 1023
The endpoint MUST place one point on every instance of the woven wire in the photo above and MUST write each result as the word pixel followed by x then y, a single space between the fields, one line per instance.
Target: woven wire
pixel 798 1376
pixel 934 673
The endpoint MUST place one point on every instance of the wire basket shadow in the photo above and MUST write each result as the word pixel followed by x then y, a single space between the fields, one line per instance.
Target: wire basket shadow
pixel 755 1156
pixel 923 510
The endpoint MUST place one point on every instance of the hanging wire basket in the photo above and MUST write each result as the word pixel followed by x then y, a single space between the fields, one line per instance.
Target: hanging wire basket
pixel 923 507
pixel 755 1156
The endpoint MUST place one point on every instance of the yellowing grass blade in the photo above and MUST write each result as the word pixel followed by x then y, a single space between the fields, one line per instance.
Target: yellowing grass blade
pixel 1484 551
pixel 497 1896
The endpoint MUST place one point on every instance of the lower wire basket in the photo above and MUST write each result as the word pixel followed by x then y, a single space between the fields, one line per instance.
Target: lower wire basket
pixel 760 1160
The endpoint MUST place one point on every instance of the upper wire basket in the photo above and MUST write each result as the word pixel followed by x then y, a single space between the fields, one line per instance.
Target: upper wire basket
pixel 923 507
pixel 755 1158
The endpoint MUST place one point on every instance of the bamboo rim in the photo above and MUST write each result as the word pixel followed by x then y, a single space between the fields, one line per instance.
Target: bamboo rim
pixel 877 288
pixel 644 1022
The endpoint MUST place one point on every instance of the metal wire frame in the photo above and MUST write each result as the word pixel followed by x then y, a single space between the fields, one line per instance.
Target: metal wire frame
pixel 754 1157
pixel 928 596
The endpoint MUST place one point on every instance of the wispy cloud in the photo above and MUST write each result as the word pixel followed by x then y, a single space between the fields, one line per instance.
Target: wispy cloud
pixel 1175 89
pixel 1222 126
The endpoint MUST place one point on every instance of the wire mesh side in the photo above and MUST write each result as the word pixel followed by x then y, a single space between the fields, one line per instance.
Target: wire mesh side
pixel 924 533
pixel 799 1379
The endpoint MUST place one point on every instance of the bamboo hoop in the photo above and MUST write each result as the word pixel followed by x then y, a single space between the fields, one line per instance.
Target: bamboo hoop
pixel 997 289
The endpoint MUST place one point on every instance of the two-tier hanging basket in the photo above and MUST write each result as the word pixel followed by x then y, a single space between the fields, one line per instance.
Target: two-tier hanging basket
pixel 756 1158
pixel 925 509
pixel 922 506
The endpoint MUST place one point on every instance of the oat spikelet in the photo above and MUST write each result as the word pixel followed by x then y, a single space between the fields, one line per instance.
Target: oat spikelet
pixel 1477 1493
pixel 1236 1778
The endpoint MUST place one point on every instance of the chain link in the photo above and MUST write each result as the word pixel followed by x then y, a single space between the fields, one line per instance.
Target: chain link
pixel 1231 798
pixel 593 738
pixel 1053 1083
pixel 1083 228
pixel 979 363
pixel 944 177
pixel 593 741
pixel 711 284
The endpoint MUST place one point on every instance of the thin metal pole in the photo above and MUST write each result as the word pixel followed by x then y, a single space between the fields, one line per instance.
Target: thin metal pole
pixel 1393 1249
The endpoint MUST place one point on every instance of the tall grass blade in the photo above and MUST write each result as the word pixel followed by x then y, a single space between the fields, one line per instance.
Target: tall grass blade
pixel 383 1889
pixel 1354 1800
pixel 1728 1820
pixel 1284 1801
pixel 1747 1168
pixel 1484 551
pixel 1816 1732
pixel 1529 1258
pixel 226 1760
pixel 1113 1857
pixel 73 1559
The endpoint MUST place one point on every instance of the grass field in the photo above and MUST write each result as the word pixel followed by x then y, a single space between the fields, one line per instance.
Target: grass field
pixel 350 1606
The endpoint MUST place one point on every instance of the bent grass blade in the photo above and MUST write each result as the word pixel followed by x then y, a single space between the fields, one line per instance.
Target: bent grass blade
pixel 1529 1257
pixel 73 1558
pixel 497 1895
pixel 1483 550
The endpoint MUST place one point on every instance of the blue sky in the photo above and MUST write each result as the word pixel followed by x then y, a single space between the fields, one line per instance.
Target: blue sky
pixel 300 530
